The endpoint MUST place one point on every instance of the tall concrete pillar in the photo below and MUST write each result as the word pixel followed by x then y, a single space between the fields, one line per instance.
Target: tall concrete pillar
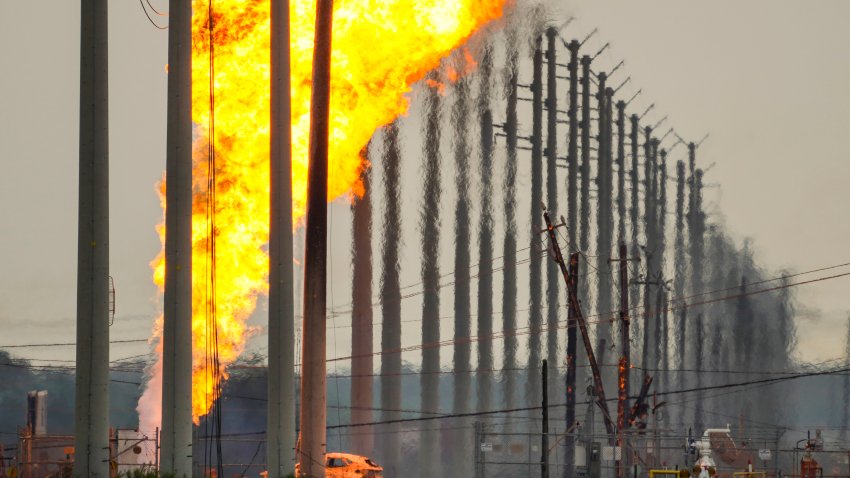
pixel 280 424
pixel 176 444
pixel 92 387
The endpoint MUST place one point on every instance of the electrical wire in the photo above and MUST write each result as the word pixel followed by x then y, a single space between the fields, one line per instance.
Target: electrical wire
pixel 149 16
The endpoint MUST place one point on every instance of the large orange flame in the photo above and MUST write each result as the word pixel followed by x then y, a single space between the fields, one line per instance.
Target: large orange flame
pixel 380 48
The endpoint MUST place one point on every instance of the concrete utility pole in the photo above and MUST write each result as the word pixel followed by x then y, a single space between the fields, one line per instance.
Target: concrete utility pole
pixel 661 247
pixel 429 218
pixel 280 425
pixel 509 287
pixel 485 239
pixel 91 414
pixel 584 186
pixel 462 293
pixel 176 447
pixel 535 316
pixel 621 171
pixel 572 146
pixel 311 453
pixel 551 152
pixel 634 210
pixel 603 213
pixel 649 214
pixel 391 302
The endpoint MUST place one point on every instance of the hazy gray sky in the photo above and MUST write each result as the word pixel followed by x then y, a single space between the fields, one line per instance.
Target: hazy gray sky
pixel 767 79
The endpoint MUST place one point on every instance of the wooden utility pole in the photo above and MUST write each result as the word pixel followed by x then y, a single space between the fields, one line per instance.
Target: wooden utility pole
pixel 573 301
pixel 311 452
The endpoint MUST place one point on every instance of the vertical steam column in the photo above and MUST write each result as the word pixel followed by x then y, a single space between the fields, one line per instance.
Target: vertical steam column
pixel 176 445
pixel 91 420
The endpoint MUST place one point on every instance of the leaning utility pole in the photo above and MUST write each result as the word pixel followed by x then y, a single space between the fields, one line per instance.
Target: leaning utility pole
pixel 176 445
pixel 91 413
pixel 599 390
pixel 311 453
pixel 280 425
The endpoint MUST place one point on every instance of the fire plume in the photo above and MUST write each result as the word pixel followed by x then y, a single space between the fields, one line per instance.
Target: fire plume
pixel 380 48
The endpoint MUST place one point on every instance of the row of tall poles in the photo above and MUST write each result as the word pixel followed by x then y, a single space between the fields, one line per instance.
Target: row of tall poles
pixel 611 122
pixel 92 378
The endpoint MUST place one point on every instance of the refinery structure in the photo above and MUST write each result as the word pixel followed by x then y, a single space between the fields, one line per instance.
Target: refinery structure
pixel 517 205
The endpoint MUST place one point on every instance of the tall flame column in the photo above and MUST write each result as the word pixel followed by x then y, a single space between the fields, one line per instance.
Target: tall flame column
pixel 92 387
pixel 280 427
pixel 313 355
pixel 176 444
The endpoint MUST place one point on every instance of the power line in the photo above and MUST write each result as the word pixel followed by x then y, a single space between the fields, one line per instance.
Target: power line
pixel 563 324
pixel 69 344
pixel 149 16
